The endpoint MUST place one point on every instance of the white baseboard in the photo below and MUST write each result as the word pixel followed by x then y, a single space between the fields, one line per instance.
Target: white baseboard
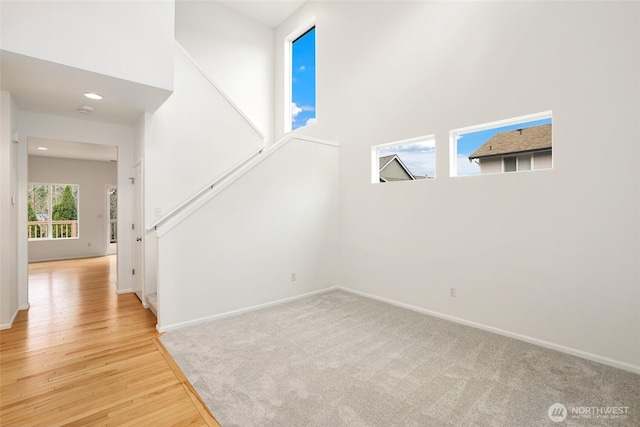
pixel 568 350
pixel 10 324
pixel 67 258
pixel 240 311
pixel 124 291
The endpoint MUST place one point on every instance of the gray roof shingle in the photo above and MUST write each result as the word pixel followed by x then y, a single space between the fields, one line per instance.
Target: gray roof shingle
pixel 385 159
pixel 536 138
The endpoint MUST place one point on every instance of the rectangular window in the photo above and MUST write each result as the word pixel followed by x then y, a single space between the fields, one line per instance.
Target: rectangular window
pixel 518 144
pixel 409 160
pixel 53 211
pixel 302 103
pixel 510 164
pixel 524 162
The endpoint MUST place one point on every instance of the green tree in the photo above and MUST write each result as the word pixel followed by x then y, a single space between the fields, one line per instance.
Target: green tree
pixel 66 209
pixel 34 232
pixel 32 213
pixel 39 198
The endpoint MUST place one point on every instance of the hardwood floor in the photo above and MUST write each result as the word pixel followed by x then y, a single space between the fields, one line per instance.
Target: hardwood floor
pixel 83 355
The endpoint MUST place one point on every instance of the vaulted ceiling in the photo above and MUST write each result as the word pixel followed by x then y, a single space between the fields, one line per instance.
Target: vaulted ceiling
pixel 46 87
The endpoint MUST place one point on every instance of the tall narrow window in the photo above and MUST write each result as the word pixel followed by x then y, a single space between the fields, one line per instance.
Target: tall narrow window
pixel 303 80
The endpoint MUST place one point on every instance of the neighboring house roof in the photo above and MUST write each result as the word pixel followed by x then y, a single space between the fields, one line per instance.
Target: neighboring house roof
pixel 387 161
pixel 536 138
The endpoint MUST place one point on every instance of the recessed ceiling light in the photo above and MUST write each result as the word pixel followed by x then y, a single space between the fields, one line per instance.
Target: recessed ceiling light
pixel 41 148
pixel 85 109
pixel 92 95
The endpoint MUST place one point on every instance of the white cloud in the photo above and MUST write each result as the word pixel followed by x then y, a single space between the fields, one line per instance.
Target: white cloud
pixel 465 167
pixel 295 110
pixel 419 162
pixel 426 146
pixel 302 68
pixel 311 121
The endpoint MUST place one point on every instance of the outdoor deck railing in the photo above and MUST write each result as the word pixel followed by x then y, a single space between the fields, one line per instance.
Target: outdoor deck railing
pixel 59 229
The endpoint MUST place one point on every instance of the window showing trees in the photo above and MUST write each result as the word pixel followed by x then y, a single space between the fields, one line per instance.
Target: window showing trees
pixel 303 80
pixel 113 215
pixel 518 144
pixel 409 160
pixel 53 211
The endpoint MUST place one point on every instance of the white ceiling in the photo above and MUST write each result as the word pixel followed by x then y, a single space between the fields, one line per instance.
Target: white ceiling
pixel 46 87
pixel 268 12
pixel 72 150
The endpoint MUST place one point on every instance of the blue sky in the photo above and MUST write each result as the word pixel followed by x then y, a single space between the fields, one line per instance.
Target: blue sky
pixel 419 157
pixel 303 80
pixel 468 143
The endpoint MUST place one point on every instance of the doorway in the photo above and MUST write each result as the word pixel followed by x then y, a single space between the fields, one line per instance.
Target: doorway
pixel 71 219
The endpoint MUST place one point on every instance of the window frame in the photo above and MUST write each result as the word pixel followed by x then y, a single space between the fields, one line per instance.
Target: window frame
pixel 50 205
pixel 375 157
pixel 453 139
pixel 288 67
pixel 518 158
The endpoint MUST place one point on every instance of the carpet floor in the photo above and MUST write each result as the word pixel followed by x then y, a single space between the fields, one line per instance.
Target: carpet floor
pixel 339 359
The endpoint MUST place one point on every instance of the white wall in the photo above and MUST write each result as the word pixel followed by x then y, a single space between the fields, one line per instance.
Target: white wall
pixel 141 130
pixel 66 129
pixel 93 179
pixel 240 248
pixel 9 290
pixel 551 255
pixel 235 52
pixel 192 139
pixel 131 40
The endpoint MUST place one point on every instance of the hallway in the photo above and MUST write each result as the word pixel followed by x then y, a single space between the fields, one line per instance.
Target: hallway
pixel 84 355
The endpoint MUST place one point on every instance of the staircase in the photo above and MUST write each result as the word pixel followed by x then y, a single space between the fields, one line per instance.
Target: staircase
pixel 265 216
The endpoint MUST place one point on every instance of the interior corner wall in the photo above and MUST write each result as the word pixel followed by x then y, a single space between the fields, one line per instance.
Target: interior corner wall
pixel 93 179
pixel 67 129
pixel 239 249
pixel 141 130
pixel 547 255
pixel 139 136
pixel 235 52
pixel 131 40
pixel 9 289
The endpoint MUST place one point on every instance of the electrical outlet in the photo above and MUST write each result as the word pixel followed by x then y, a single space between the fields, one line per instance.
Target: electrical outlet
pixel 452 292
pixel 293 277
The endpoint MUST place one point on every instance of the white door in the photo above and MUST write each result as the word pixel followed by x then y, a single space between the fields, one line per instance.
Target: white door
pixel 138 233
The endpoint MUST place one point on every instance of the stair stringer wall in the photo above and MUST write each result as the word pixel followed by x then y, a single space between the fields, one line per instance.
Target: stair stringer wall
pixel 240 249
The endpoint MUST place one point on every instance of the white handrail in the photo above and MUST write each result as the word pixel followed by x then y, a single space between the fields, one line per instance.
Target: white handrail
pixel 177 215
pixel 209 187
pixel 200 193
